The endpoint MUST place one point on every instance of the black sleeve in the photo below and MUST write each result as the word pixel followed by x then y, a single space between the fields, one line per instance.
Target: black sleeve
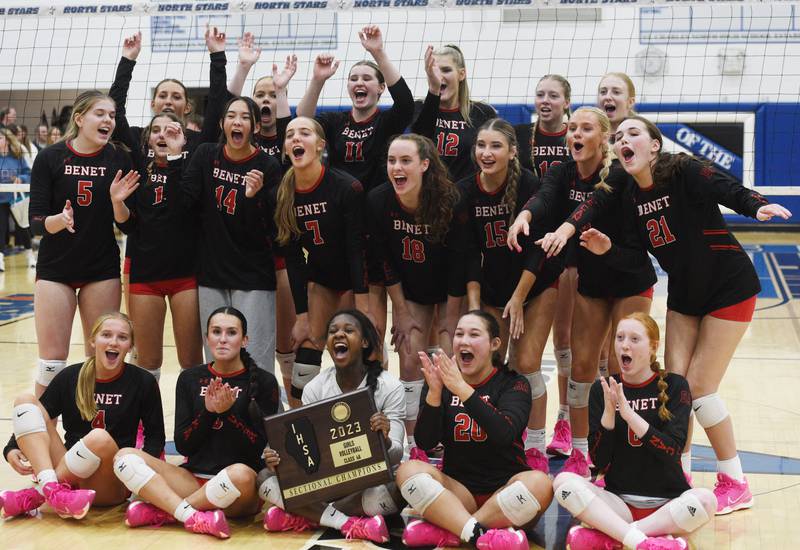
pixel 153 421
pixel 668 442
pixel 550 196
pixel 41 193
pixel 192 428
pixel 428 429
pixel 403 107
pixel 119 92
pixel 473 254
pixel 480 112
pixel 601 441
pixel 280 127
pixel 425 123
pixel 585 212
pixel 456 251
pixel 707 184
pixel 378 241
pixel 218 96
pixel 504 423
pixel 297 270
pixel 354 233
pixel 193 177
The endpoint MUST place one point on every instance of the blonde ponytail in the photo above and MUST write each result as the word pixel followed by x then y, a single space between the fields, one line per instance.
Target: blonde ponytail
pixel 285 219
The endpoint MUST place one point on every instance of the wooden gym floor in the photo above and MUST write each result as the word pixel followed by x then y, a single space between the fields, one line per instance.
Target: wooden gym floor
pixel 758 390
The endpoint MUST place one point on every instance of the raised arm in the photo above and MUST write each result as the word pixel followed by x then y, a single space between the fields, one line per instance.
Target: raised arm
pixel 324 67
pixel 248 56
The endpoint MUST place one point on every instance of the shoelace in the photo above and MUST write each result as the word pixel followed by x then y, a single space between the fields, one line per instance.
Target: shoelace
pixel 28 502
pixel 659 543
pixel 58 494
pixel 297 524
pixel 201 524
pixel 357 531
pixel 562 429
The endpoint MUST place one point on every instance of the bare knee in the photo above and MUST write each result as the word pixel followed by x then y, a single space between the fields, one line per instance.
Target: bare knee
pixel 242 476
pixel 100 443
pixel 26 398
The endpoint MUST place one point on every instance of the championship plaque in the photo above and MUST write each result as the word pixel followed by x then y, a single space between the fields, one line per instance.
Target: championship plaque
pixel 327 449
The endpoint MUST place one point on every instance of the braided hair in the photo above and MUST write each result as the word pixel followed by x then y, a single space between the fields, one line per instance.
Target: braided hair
pixel 651 328
pixel 253 387
pixel 608 155
pixel 514 167
pixel 369 333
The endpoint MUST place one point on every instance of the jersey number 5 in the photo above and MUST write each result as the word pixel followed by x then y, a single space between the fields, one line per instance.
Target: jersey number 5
pixel 659 232
pixel 229 202
pixel 84 192
pixel 467 429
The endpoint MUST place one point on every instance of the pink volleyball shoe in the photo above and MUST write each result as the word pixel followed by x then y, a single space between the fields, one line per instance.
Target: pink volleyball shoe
pixel 421 533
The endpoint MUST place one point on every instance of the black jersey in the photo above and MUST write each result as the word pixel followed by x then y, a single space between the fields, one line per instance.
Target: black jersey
pixel 454 137
pixel 489 261
pixel 561 192
pixel 235 244
pixel 273 144
pixel 538 152
pixel 330 216
pixel 218 96
pixel 428 271
pixel 359 148
pixel 59 174
pixel 210 441
pixel 680 224
pixel 650 466
pixel 163 245
pixel 483 437
pixel 131 396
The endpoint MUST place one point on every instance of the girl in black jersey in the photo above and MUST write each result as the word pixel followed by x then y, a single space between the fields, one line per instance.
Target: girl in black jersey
pixel 352 341
pixel 218 428
pixel 162 248
pixel 639 420
pixel 270 94
pixel 519 292
pixel 605 294
pixel 70 206
pixel 101 403
pixel 448 116
pixel 478 410
pixel 319 210
pixel 672 201
pixel 417 229
pixel 357 139
pixel 543 145
pixel 227 185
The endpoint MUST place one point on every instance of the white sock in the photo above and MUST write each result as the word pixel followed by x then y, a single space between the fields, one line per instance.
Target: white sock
pixel 563 412
pixel 469 527
pixel 633 538
pixel 582 444
pixel 686 462
pixel 156 374
pixel 332 517
pixel 45 477
pixel 411 442
pixel 731 467
pixel 184 511
pixel 602 368
pixel 535 440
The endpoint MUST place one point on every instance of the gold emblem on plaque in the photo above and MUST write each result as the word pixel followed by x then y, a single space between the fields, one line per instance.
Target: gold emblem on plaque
pixel 340 412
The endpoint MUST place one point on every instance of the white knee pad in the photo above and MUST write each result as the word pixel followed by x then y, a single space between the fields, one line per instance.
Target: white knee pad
pixel 420 490
pixel 81 461
pixel 413 394
pixel 578 393
pixel 518 504
pixel 306 366
pixel 27 418
pixel 574 495
pixel 377 501
pixel 220 490
pixel 133 472
pixel 564 362
pixel 48 369
pixel 710 410
pixel 268 488
pixel 286 363
pixel 688 512
pixel 536 380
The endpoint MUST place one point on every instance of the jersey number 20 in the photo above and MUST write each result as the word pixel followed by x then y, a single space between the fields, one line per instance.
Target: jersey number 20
pixel 467 429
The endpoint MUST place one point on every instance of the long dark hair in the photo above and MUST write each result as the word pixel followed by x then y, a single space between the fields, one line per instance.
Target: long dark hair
pixel 373 339
pixel 666 166
pixel 493 328
pixel 253 388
